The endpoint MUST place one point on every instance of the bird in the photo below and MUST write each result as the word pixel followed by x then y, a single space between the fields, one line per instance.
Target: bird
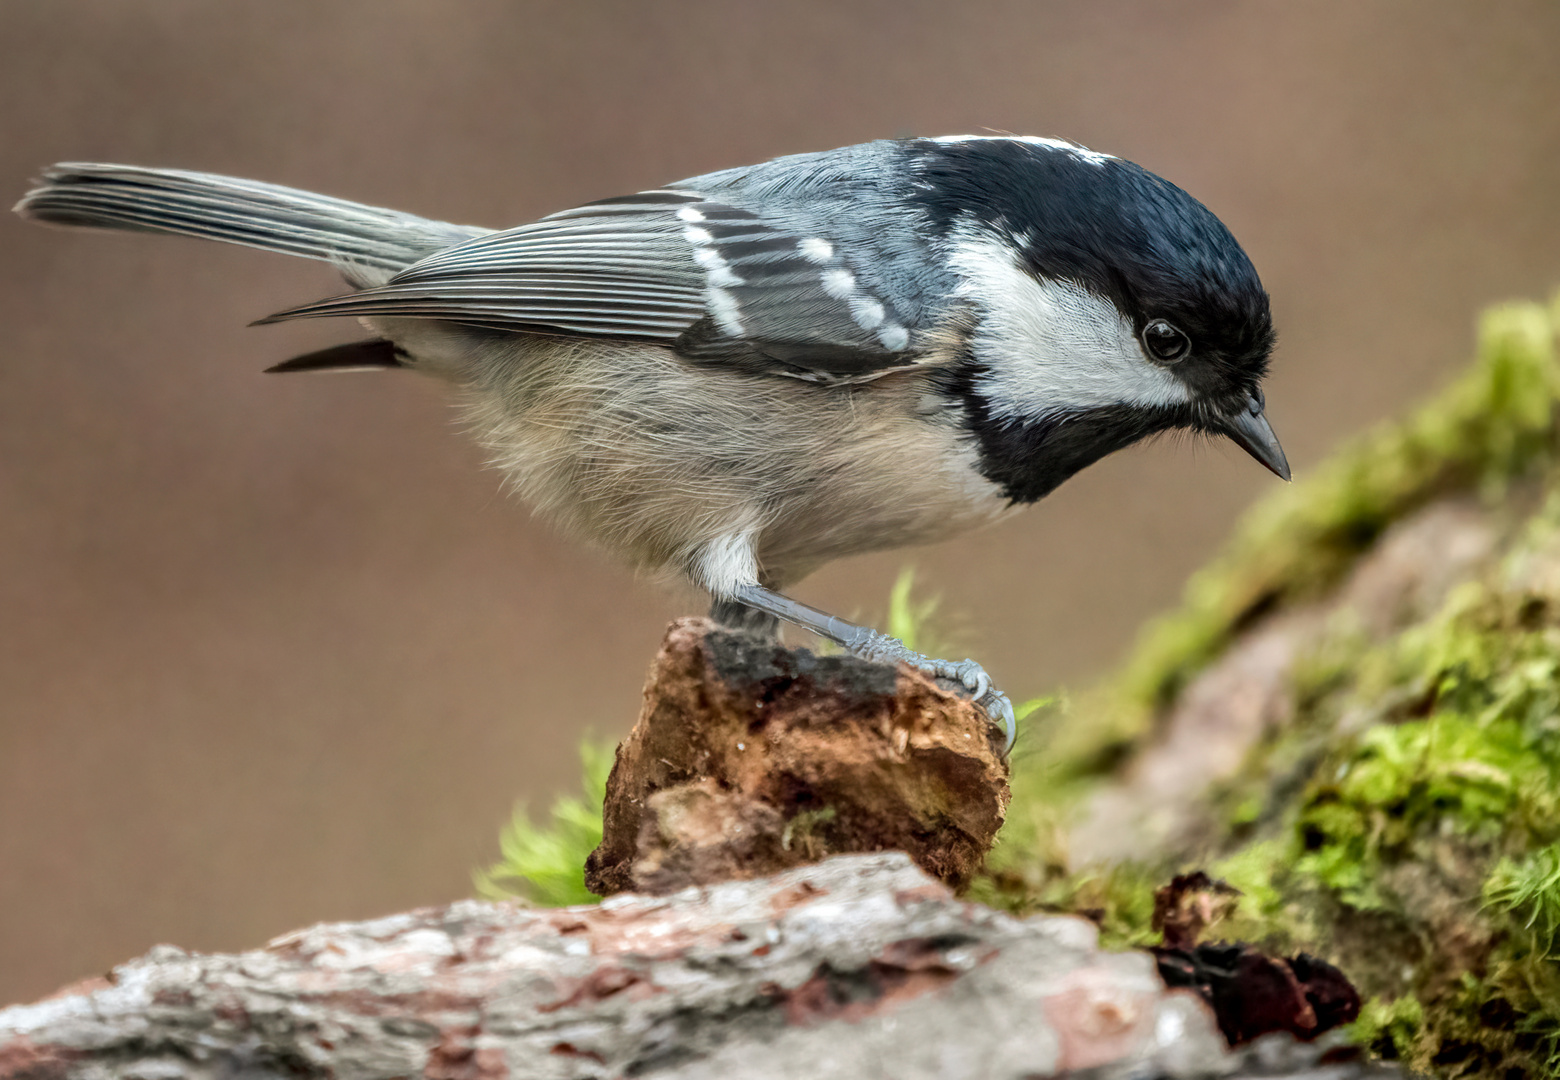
pixel 736 378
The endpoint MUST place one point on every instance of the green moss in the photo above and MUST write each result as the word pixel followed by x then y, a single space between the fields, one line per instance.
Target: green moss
pixel 545 864
pixel 1119 899
pixel 1527 890
pixel 1384 1026
pixel 1121 902
pixel 1447 792
pixel 1400 824
pixel 1267 915
pixel 1523 894
pixel 909 619
pixel 804 831
pixel 1443 776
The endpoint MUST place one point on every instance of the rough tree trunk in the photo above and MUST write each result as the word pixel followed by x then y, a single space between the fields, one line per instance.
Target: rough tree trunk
pixel 858 967
pixel 749 758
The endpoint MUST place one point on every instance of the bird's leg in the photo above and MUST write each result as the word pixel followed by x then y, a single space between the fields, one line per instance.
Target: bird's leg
pixel 739 616
pixel 869 644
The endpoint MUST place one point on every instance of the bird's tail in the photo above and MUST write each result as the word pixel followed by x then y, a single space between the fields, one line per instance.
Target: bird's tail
pixel 367 243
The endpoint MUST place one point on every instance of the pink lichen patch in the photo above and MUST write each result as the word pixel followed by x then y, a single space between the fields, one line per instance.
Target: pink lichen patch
pixel 648 933
pixel 21 1057
pixel 456 1057
pixel 604 982
pixel 930 893
pixel 903 971
pixel 802 892
pixel 1098 1019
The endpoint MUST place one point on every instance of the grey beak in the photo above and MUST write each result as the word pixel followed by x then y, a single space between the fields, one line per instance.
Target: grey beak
pixel 1250 430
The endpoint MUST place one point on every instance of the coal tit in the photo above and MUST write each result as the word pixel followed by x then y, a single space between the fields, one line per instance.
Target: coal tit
pixel 739 377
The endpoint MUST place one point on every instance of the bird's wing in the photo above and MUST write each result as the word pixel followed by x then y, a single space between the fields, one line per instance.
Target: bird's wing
pixel 717 283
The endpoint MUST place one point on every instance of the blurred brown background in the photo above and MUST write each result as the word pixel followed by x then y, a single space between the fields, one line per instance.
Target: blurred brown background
pixel 275 650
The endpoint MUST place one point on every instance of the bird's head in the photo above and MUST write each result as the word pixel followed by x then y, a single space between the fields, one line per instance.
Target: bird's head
pixel 1104 305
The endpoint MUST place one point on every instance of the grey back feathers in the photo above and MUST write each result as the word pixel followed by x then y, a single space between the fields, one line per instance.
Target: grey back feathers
pixel 774 268
pixel 618 269
pixel 368 244
pixel 715 282
pixel 766 286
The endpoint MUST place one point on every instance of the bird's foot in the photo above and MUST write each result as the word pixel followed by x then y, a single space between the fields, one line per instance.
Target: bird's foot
pixel 869 644
pixel 966 673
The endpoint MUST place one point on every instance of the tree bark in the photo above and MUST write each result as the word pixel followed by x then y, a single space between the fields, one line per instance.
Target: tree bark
pixel 857 967
pixel 750 758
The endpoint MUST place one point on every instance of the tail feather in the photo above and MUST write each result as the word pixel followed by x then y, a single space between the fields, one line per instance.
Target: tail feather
pixel 375 354
pixel 365 242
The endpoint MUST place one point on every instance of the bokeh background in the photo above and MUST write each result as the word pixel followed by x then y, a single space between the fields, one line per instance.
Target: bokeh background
pixel 277 650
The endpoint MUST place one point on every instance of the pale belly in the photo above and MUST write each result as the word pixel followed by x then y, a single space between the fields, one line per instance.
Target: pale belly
pixel 657 460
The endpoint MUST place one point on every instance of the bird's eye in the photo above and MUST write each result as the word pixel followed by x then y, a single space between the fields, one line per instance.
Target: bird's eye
pixel 1165 343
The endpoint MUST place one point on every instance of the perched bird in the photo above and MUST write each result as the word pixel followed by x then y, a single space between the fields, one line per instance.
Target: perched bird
pixel 738 377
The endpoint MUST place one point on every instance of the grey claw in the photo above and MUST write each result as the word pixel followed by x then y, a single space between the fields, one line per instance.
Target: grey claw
pixel 995 703
pixel 967 673
pixel 1000 710
pixel 975 679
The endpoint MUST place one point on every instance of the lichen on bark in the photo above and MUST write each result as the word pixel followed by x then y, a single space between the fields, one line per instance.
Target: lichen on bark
pixel 1354 717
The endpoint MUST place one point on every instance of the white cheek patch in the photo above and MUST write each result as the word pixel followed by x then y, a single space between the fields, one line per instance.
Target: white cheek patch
pixel 1051 347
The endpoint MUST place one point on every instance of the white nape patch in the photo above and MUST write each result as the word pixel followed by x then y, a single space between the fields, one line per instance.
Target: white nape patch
pixel 688 213
pixel 726 563
pixel 728 315
pixel 1093 157
pixel 895 338
pixel 1051 347
pixel 867 312
pixel 839 283
pixel 815 249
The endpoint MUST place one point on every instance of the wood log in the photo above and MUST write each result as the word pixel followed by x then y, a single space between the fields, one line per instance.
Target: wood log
pixel 750 758
pixel 861 966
